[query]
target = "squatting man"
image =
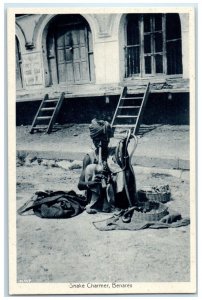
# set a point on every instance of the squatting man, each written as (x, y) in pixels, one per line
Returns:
(107, 175)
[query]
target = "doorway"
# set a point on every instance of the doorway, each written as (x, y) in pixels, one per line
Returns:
(70, 50)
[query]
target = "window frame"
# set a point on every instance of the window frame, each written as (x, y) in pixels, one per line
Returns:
(152, 54)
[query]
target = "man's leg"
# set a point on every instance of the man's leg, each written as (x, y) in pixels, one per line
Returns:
(91, 208)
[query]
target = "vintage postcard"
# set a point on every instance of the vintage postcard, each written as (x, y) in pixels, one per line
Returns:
(101, 125)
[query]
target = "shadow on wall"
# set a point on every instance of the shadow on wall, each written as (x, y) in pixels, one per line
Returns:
(167, 109)
(160, 109)
(83, 110)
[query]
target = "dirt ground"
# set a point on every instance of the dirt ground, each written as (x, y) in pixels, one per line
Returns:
(170, 141)
(73, 250)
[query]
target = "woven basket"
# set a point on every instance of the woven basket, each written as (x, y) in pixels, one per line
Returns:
(149, 193)
(155, 214)
(159, 197)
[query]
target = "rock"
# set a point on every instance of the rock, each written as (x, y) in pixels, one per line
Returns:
(76, 164)
(21, 156)
(52, 163)
(48, 163)
(29, 159)
(65, 164)
(35, 163)
(39, 160)
(44, 162)
(19, 162)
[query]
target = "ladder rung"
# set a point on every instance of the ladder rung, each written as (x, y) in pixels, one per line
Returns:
(129, 106)
(44, 118)
(40, 127)
(124, 125)
(131, 98)
(48, 108)
(51, 100)
(125, 116)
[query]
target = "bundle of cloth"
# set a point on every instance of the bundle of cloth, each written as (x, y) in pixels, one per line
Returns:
(58, 204)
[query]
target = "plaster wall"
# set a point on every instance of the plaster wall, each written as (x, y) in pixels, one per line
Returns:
(108, 41)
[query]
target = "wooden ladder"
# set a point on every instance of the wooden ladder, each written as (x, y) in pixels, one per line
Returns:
(129, 110)
(47, 113)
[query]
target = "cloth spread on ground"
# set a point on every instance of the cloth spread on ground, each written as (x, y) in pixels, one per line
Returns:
(173, 219)
(58, 204)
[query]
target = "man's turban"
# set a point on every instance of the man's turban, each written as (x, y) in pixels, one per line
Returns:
(99, 128)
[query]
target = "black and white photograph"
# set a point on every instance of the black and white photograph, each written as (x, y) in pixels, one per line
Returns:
(101, 148)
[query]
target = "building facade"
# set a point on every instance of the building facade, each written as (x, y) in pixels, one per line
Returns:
(91, 57)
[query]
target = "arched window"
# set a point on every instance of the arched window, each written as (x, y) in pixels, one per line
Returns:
(70, 50)
(19, 83)
(153, 45)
